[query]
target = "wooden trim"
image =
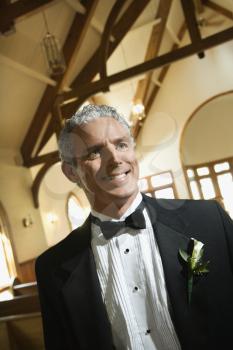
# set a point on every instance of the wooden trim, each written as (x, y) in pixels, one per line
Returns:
(24, 304)
(10, 12)
(212, 175)
(226, 13)
(211, 163)
(152, 188)
(27, 271)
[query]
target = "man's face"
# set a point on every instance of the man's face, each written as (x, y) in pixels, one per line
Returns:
(107, 168)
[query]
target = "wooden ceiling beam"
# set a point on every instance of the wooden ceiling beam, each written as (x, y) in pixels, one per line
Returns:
(89, 71)
(163, 60)
(104, 45)
(191, 22)
(156, 88)
(45, 158)
(223, 11)
(153, 48)
(164, 71)
(72, 44)
(10, 12)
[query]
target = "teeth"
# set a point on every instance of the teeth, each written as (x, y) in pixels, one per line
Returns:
(118, 177)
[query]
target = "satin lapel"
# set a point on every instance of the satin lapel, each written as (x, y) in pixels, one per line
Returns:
(169, 229)
(172, 233)
(82, 295)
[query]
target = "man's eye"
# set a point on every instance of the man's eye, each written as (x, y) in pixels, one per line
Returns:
(93, 155)
(122, 146)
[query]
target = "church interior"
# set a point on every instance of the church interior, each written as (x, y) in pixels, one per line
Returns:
(166, 65)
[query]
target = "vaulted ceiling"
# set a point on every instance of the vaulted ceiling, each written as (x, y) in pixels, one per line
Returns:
(116, 52)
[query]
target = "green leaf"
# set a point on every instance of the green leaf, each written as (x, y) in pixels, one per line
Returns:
(202, 268)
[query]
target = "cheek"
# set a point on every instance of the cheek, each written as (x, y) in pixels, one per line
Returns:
(88, 171)
(134, 163)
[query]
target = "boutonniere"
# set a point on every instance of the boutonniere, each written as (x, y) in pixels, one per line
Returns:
(194, 263)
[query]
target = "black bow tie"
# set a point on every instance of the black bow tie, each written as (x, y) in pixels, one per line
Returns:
(110, 228)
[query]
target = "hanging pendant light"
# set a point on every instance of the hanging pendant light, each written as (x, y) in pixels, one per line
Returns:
(53, 53)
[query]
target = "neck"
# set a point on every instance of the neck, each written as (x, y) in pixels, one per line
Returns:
(116, 208)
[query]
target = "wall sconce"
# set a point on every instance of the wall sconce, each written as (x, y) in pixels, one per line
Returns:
(52, 218)
(27, 221)
(137, 113)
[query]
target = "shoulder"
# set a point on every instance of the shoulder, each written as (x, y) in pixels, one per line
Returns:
(184, 209)
(75, 242)
(180, 205)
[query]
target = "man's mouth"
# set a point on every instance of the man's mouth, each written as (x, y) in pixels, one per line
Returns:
(119, 176)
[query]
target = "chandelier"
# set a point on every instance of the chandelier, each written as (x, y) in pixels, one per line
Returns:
(53, 53)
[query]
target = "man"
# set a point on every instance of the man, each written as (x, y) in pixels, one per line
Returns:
(124, 280)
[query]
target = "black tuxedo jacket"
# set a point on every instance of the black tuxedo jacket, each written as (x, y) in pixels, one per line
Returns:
(74, 315)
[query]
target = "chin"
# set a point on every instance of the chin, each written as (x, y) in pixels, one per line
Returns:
(123, 193)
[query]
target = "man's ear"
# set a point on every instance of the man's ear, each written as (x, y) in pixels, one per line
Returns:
(70, 173)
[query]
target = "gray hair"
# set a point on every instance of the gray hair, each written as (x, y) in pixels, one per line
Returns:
(84, 116)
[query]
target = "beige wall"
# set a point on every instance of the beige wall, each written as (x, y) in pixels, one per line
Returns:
(16, 197)
(208, 135)
(188, 84)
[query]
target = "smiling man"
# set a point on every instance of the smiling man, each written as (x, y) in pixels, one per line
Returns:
(119, 281)
(105, 165)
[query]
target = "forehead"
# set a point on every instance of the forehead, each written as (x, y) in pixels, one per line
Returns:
(97, 132)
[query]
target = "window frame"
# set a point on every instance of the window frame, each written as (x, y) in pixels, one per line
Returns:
(213, 175)
(151, 189)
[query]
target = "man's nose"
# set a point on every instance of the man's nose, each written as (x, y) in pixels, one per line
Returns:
(112, 155)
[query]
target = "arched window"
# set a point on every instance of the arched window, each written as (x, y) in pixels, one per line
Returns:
(7, 263)
(75, 212)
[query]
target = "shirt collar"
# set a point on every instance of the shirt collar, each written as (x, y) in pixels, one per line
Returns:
(130, 210)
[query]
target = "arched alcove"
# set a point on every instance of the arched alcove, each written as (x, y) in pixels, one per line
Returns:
(206, 150)
(76, 214)
(54, 190)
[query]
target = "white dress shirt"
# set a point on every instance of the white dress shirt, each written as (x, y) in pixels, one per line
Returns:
(133, 288)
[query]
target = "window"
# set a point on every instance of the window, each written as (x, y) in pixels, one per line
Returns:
(75, 212)
(7, 263)
(159, 185)
(213, 180)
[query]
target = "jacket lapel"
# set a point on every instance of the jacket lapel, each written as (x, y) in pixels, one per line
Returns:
(172, 233)
(169, 229)
(82, 295)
